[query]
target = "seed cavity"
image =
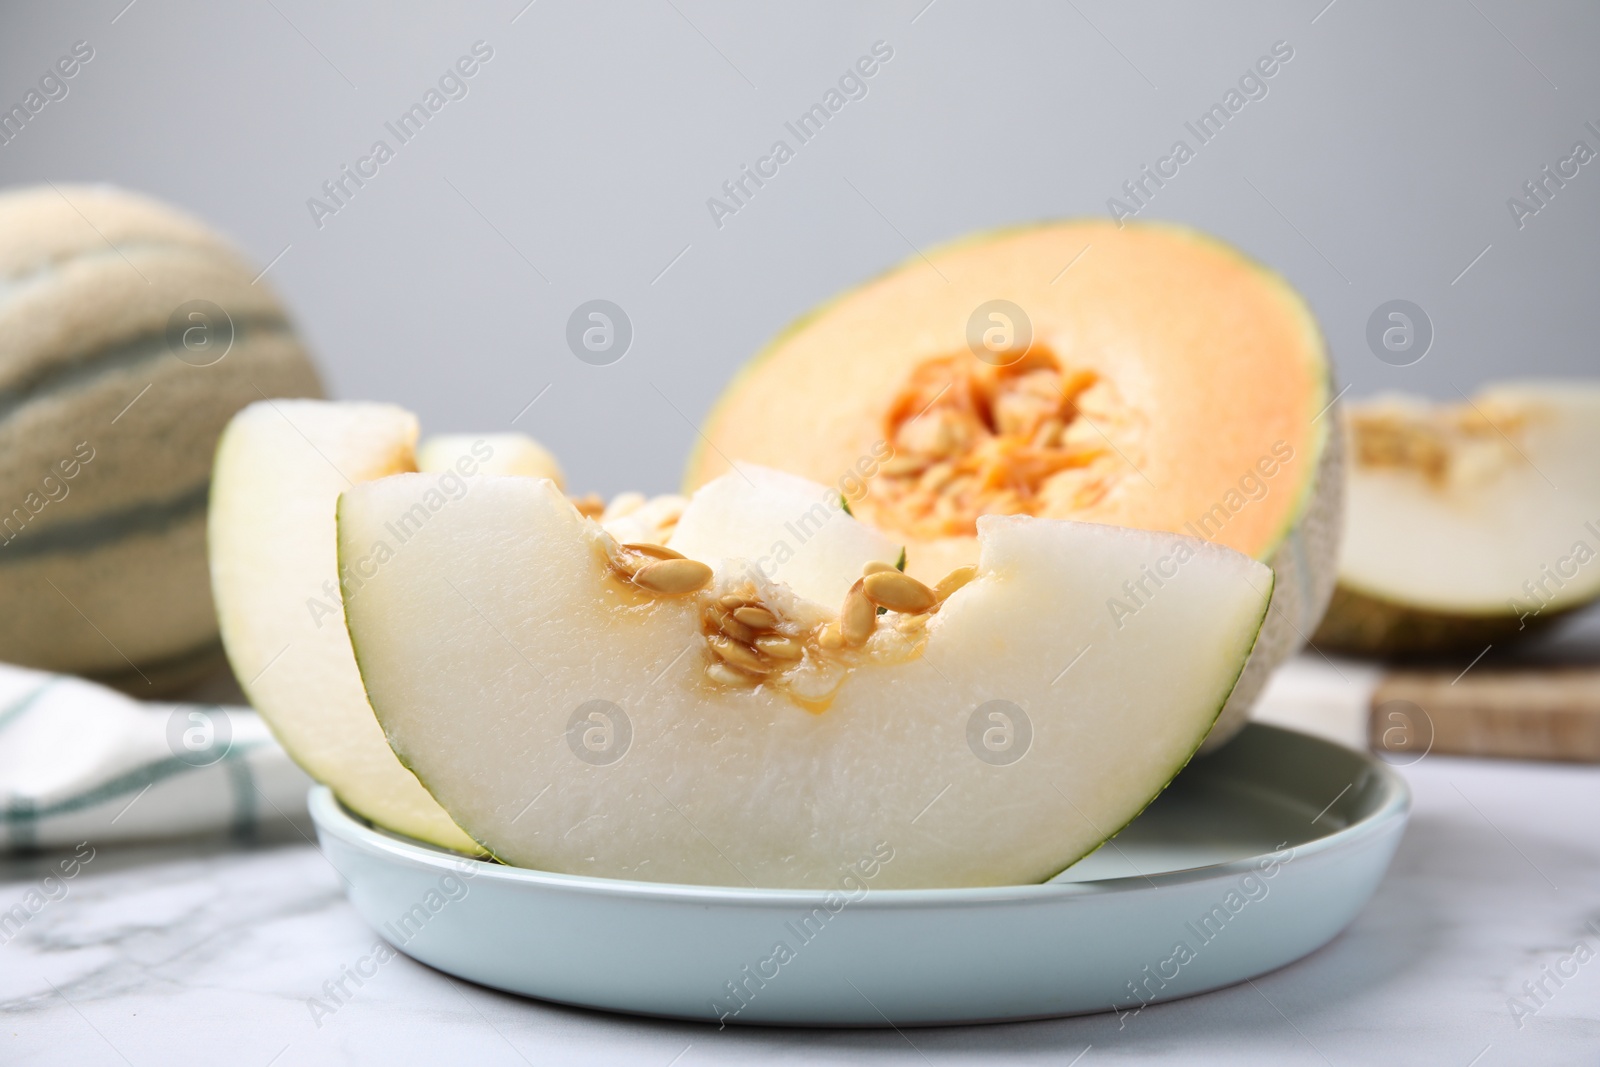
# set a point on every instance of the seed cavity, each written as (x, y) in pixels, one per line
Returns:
(750, 642)
(778, 646)
(723, 674)
(1450, 446)
(898, 592)
(730, 625)
(740, 655)
(970, 438)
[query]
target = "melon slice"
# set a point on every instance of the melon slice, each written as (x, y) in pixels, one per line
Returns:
(489, 453)
(1468, 523)
(279, 470)
(574, 710)
(795, 530)
(1145, 376)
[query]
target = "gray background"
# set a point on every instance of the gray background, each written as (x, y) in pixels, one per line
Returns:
(579, 164)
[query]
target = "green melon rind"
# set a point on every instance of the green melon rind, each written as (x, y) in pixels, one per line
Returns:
(1365, 624)
(1205, 742)
(1303, 553)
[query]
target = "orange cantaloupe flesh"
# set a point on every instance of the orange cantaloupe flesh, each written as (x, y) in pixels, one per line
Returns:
(1193, 383)
(1212, 369)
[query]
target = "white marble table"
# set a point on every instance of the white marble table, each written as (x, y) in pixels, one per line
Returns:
(209, 953)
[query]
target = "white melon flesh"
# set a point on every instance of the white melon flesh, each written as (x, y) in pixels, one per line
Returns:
(490, 453)
(279, 470)
(1469, 514)
(485, 640)
(794, 529)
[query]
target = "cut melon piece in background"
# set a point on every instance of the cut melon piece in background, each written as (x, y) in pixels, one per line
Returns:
(1468, 523)
(490, 453)
(795, 530)
(279, 470)
(572, 721)
(1144, 375)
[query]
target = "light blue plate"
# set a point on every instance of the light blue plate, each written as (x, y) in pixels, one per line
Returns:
(1255, 856)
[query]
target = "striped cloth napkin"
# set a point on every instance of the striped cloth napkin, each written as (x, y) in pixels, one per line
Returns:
(80, 762)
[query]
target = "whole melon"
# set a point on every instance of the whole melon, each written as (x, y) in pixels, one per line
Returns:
(129, 334)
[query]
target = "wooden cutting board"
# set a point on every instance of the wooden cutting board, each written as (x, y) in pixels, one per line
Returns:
(1527, 713)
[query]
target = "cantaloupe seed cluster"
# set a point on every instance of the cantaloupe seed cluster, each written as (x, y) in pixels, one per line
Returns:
(1448, 444)
(750, 641)
(972, 438)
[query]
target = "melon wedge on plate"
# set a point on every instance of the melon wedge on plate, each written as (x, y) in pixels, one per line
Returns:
(582, 707)
(279, 469)
(1468, 523)
(1142, 375)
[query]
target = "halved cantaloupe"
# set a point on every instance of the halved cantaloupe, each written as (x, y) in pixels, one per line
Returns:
(585, 707)
(280, 467)
(1146, 376)
(1468, 523)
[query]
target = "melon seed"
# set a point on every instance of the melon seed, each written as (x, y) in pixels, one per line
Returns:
(780, 647)
(953, 581)
(739, 655)
(858, 616)
(726, 675)
(654, 551)
(671, 577)
(903, 466)
(758, 618)
(829, 637)
(898, 592)
(874, 566)
(910, 624)
(735, 629)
